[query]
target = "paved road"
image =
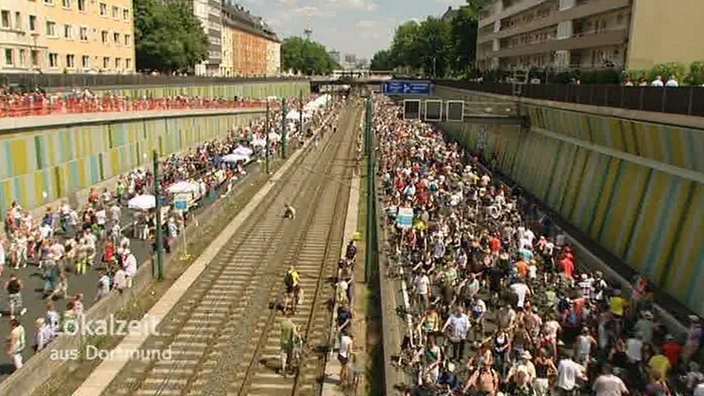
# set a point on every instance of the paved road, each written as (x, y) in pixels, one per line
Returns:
(86, 284)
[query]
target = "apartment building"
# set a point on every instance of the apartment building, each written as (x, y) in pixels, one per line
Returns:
(67, 36)
(589, 34)
(255, 50)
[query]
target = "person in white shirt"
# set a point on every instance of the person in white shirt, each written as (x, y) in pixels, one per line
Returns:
(608, 384)
(422, 285)
(568, 372)
(458, 327)
(657, 82)
(130, 265)
(521, 290)
(672, 82)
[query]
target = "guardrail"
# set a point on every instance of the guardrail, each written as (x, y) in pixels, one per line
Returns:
(29, 106)
(680, 100)
(106, 80)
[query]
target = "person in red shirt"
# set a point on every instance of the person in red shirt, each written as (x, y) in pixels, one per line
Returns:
(671, 349)
(567, 265)
(495, 245)
(522, 268)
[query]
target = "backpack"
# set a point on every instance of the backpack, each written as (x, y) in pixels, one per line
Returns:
(288, 280)
(572, 318)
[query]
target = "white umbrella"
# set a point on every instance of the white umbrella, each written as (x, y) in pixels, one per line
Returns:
(235, 157)
(182, 187)
(243, 151)
(274, 137)
(142, 202)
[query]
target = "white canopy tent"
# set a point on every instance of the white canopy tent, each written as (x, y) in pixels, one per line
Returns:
(142, 202)
(231, 158)
(241, 150)
(182, 187)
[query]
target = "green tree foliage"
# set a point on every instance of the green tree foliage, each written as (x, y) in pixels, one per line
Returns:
(168, 37)
(666, 70)
(382, 60)
(434, 47)
(306, 57)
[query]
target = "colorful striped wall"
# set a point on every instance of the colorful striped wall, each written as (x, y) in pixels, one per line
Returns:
(634, 187)
(41, 166)
(250, 90)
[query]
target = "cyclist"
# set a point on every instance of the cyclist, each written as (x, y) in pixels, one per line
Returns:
(289, 212)
(289, 332)
(292, 281)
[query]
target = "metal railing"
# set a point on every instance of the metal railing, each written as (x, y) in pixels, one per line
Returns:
(680, 100)
(45, 81)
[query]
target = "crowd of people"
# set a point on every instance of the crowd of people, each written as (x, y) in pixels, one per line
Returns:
(498, 304)
(16, 103)
(67, 242)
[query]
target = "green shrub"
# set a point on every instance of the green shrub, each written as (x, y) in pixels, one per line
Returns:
(696, 74)
(666, 70)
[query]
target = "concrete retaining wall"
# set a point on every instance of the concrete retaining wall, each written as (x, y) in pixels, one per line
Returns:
(634, 185)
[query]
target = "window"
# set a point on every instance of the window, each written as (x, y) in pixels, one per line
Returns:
(67, 32)
(35, 57)
(21, 58)
(49, 2)
(128, 40)
(69, 61)
(126, 14)
(6, 19)
(84, 34)
(128, 63)
(106, 62)
(32, 23)
(104, 36)
(53, 59)
(116, 38)
(50, 29)
(9, 57)
(81, 5)
(118, 62)
(115, 12)
(85, 62)
(18, 21)
(66, 3)
(103, 9)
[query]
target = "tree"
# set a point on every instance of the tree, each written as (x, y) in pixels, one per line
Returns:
(308, 57)
(382, 60)
(168, 37)
(463, 34)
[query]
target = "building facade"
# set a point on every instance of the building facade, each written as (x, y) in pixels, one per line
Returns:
(254, 49)
(588, 34)
(67, 36)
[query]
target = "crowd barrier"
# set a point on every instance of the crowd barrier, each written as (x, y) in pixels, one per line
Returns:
(32, 106)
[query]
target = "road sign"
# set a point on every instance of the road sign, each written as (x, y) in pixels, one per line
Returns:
(455, 110)
(407, 88)
(411, 109)
(404, 218)
(433, 110)
(181, 202)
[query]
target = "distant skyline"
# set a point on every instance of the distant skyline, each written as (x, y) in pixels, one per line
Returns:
(359, 27)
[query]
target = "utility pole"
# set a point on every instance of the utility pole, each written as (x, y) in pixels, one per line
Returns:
(266, 130)
(283, 127)
(370, 191)
(159, 249)
(300, 112)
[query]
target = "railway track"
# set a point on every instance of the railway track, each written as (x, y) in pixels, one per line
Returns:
(222, 337)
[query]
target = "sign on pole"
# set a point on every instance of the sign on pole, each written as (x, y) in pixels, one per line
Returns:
(404, 218)
(433, 110)
(406, 87)
(411, 109)
(455, 110)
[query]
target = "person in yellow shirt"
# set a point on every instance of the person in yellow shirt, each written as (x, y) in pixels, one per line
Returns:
(659, 363)
(618, 304)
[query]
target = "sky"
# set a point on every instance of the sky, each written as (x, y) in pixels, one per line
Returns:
(360, 27)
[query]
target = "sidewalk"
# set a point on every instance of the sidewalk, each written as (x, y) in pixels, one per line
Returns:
(332, 368)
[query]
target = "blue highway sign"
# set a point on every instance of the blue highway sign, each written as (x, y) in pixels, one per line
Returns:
(407, 88)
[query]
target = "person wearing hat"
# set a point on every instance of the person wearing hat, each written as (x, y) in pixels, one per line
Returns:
(523, 372)
(645, 327)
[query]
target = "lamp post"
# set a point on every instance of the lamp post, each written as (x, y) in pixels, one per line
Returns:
(159, 245)
(370, 190)
(300, 113)
(283, 127)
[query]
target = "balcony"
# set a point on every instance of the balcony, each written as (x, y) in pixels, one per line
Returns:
(580, 11)
(594, 40)
(511, 10)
